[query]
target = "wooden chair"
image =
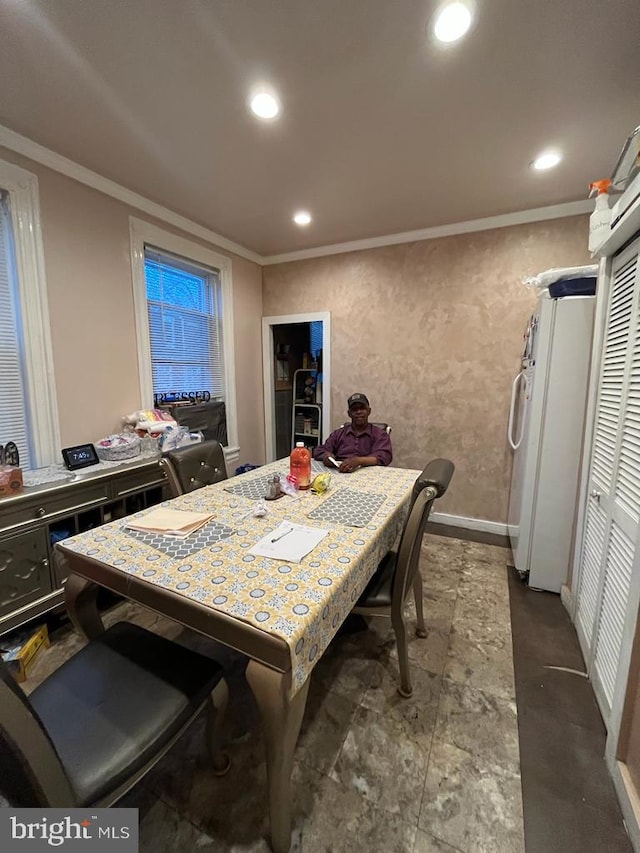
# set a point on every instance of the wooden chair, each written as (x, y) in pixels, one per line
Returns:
(95, 726)
(399, 573)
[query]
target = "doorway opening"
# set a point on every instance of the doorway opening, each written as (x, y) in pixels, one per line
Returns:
(296, 370)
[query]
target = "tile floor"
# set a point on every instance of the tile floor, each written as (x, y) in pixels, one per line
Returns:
(436, 773)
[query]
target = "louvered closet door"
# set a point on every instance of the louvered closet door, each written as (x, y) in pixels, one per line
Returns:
(613, 507)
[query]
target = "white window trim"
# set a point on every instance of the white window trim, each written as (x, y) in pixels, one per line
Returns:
(22, 187)
(142, 233)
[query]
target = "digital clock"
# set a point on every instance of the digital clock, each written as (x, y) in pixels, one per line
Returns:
(79, 456)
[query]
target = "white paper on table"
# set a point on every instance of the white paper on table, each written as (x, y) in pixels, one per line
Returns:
(297, 542)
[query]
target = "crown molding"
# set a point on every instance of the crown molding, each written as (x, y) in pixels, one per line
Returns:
(39, 154)
(34, 151)
(538, 214)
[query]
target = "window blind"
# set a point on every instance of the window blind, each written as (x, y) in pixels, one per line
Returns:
(14, 416)
(185, 325)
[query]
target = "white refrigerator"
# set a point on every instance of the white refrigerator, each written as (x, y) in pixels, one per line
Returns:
(545, 432)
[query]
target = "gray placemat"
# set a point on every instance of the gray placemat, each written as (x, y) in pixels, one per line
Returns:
(258, 487)
(207, 536)
(348, 506)
(253, 489)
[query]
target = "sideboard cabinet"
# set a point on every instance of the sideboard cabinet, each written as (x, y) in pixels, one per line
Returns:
(31, 573)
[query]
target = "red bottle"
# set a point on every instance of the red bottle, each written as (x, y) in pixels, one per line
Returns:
(300, 465)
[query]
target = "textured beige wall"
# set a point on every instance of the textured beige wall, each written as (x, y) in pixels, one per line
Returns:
(87, 262)
(247, 316)
(431, 331)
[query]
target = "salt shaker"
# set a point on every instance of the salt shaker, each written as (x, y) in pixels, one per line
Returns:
(273, 490)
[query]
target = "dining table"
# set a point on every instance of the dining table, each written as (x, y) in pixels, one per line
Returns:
(280, 613)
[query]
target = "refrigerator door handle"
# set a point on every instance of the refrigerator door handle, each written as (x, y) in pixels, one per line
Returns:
(514, 393)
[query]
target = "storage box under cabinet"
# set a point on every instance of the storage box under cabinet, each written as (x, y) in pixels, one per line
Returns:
(22, 651)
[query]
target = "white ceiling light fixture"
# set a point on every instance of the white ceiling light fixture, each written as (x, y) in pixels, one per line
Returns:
(264, 105)
(546, 160)
(452, 21)
(302, 217)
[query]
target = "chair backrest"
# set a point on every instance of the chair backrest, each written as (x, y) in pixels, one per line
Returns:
(208, 418)
(192, 467)
(430, 477)
(430, 485)
(380, 424)
(32, 773)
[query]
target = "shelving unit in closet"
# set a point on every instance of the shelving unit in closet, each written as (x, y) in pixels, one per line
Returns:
(306, 422)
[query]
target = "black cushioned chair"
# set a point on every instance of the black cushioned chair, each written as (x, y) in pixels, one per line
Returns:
(398, 572)
(380, 424)
(190, 468)
(209, 418)
(104, 718)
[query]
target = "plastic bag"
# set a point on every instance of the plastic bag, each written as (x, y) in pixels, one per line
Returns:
(289, 485)
(180, 437)
(544, 279)
(321, 483)
(153, 421)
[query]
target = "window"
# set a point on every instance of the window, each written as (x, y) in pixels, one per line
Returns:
(315, 339)
(184, 304)
(184, 322)
(14, 417)
(28, 412)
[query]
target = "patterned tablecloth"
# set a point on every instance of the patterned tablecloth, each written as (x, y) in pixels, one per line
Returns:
(303, 603)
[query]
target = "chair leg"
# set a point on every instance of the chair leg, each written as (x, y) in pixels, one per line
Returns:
(421, 631)
(400, 629)
(216, 707)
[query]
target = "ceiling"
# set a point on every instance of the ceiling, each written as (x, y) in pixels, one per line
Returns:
(381, 131)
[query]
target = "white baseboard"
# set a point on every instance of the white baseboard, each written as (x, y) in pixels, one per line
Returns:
(481, 524)
(568, 599)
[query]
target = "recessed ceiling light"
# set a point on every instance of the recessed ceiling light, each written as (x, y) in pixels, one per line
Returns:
(547, 160)
(302, 217)
(265, 105)
(452, 22)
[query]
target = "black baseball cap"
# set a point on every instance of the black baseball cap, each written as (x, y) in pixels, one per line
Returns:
(357, 398)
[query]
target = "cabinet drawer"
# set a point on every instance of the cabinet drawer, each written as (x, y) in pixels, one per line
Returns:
(24, 570)
(44, 509)
(138, 481)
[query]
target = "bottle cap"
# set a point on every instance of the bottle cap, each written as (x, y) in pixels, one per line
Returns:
(299, 443)
(599, 187)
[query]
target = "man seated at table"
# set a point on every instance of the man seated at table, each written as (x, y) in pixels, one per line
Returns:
(358, 444)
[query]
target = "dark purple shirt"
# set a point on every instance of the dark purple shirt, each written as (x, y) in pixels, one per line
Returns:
(344, 443)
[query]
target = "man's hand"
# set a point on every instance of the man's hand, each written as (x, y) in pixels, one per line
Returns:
(326, 460)
(350, 465)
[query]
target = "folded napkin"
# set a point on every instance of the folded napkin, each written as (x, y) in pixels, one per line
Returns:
(170, 522)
